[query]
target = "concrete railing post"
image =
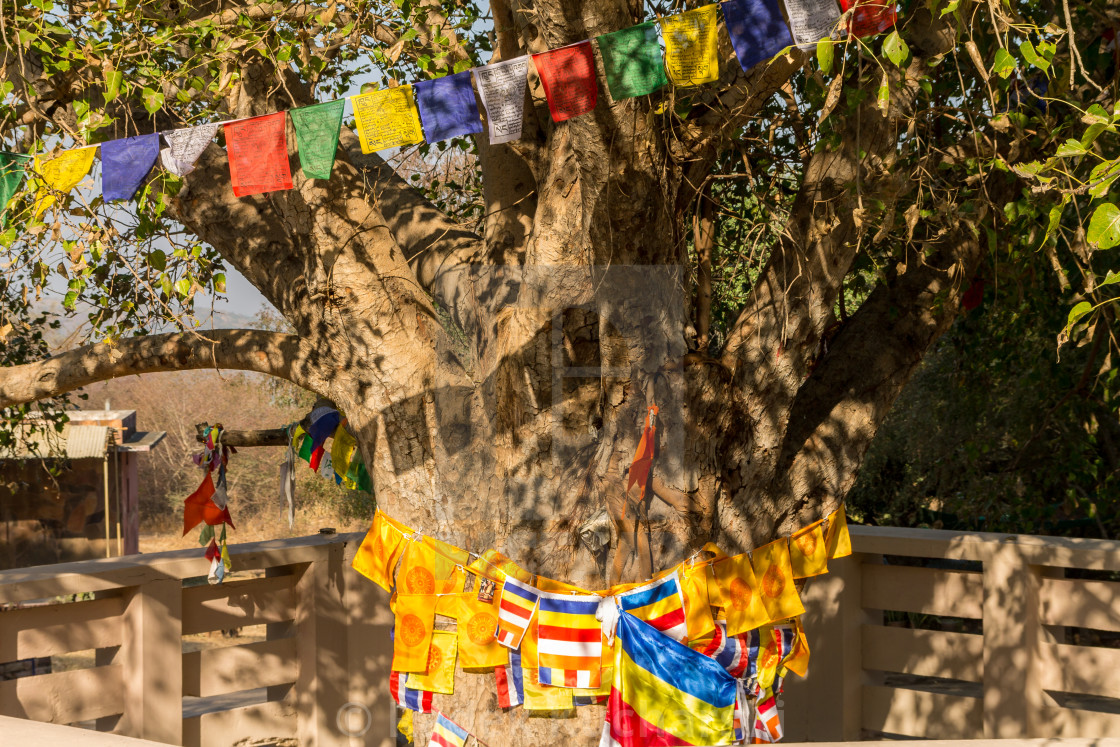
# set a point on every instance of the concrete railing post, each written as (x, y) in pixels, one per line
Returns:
(1013, 694)
(151, 654)
(321, 689)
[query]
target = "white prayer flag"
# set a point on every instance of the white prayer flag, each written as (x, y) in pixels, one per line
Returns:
(502, 88)
(812, 20)
(185, 146)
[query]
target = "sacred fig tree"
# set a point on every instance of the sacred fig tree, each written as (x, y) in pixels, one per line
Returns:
(766, 258)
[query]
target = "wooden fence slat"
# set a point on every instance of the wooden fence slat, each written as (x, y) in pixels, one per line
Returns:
(917, 713)
(1085, 670)
(236, 604)
(928, 591)
(60, 628)
(217, 671)
(1080, 603)
(1073, 722)
(273, 720)
(65, 697)
(927, 653)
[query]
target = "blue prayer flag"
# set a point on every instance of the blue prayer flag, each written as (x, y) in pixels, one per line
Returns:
(125, 163)
(447, 107)
(757, 30)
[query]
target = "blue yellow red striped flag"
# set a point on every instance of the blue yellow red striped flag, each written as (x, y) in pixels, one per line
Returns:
(569, 641)
(660, 604)
(447, 733)
(664, 693)
(519, 602)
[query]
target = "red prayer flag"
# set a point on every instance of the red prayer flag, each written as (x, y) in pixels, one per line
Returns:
(194, 510)
(258, 155)
(870, 16)
(643, 456)
(568, 77)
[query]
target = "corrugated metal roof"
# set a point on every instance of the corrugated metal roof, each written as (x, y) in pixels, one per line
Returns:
(74, 442)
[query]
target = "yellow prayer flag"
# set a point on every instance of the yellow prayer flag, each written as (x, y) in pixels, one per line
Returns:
(547, 584)
(743, 605)
(807, 552)
(439, 675)
(404, 725)
(343, 447)
(529, 645)
(387, 119)
(492, 565)
(691, 55)
(377, 556)
(61, 173)
(412, 631)
(797, 660)
(775, 580)
(839, 543)
(769, 656)
(421, 573)
(539, 697)
(697, 605)
(475, 623)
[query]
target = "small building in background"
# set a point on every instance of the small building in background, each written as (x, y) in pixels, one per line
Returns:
(74, 494)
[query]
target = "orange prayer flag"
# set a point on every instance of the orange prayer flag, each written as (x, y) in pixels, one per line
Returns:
(797, 660)
(412, 631)
(807, 552)
(839, 543)
(476, 623)
(697, 605)
(377, 556)
(529, 646)
(194, 508)
(420, 572)
(643, 456)
(775, 580)
(439, 674)
(492, 564)
(743, 605)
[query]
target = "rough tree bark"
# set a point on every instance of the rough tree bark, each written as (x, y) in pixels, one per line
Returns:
(577, 304)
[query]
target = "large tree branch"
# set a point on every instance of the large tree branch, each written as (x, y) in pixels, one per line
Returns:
(270, 353)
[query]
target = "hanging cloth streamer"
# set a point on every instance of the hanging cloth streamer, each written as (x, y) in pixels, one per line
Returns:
(643, 456)
(502, 89)
(61, 174)
(691, 54)
(185, 146)
(447, 107)
(568, 77)
(632, 61)
(812, 20)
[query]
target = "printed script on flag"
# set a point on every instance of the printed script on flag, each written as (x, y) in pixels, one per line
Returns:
(501, 87)
(690, 46)
(568, 77)
(258, 155)
(387, 119)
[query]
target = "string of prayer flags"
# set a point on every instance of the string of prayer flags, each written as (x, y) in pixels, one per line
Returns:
(757, 30)
(869, 17)
(836, 538)
(258, 155)
(61, 174)
(439, 673)
(569, 640)
(387, 119)
(739, 589)
(125, 163)
(13, 170)
(691, 54)
(447, 733)
(775, 581)
(501, 86)
(665, 693)
(407, 698)
(447, 107)
(510, 683)
(185, 146)
(519, 602)
(414, 617)
(317, 127)
(377, 556)
(811, 20)
(660, 604)
(632, 61)
(808, 553)
(568, 77)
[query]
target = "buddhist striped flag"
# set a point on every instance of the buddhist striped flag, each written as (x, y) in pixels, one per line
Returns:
(767, 721)
(519, 602)
(661, 604)
(569, 641)
(447, 733)
(511, 687)
(406, 697)
(738, 654)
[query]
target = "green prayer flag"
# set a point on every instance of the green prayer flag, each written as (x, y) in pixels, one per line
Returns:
(317, 128)
(12, 172)
(632, 61)
(305, 449)
(363, 480)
